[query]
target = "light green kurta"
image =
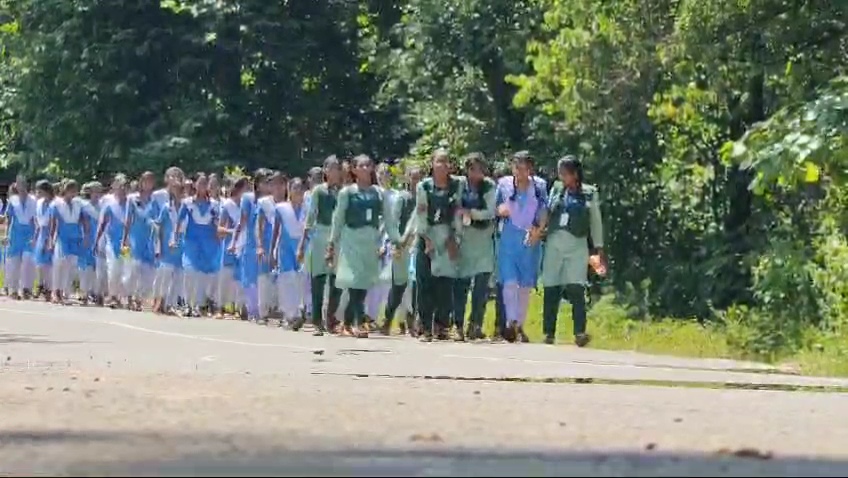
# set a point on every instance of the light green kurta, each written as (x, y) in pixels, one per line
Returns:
(315, 255)
(477, 251)
(566, 258)
(358, 262)
(441, 264)
(398, 273)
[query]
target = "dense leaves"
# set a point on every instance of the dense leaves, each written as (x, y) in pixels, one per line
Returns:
(715, 129)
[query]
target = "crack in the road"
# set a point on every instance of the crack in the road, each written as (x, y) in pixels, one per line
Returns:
(776, 387)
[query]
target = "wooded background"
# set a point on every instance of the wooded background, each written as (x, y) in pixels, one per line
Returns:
(715, 129)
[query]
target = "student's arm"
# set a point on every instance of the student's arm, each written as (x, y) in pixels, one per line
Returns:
(54, 227)
(596, 223)
(311, 219)
(129, 219)
(260, 230)
(159, 233)
(105, 216)
(339, 216)
(275, 236)
(4, 219)
(244, 206)
(542, 212)
(181, 216)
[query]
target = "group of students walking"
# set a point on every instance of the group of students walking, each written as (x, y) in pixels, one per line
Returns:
(333, 249)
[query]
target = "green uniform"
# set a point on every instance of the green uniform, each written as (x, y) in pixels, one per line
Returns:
(477, 250)
(436, 220)
(403, 207)
(319, 220)
(356, 233)
(566, 250)
(573, 218)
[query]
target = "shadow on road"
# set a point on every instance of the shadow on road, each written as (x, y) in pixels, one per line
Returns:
(253, 456)
(33, 339)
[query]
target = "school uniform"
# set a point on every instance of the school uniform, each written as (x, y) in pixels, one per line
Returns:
(518, 262)
(169, 269)
(20, 220)
(200, 248)
(142, 261)
(113, 214)
(356, 232)
(42, 254)
(292, 279)
(229, 285)
(68, 218)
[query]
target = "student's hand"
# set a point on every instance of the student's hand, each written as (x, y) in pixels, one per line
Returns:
(157, 254)
(330, 255)
(48, 245)
(534, 235)
(452, 247)
(503, 210)
(260, 252)
(274, 254)
(428, 246)
(172, 244)
(232, 249)
(397, 251)
(381, 251)
(299, 255)
(223, 232)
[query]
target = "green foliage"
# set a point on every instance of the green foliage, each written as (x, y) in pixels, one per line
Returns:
(715, 129)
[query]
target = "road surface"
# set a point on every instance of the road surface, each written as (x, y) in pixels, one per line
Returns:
(89, 391)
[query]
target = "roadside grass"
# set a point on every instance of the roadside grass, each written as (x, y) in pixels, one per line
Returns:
(611, 329)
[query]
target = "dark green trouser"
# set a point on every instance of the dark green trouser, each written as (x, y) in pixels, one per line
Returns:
(479, 297)
(435, 295)
(500, 310)
(318, 284)
(395, 298)
(355, 311)
(576, 294)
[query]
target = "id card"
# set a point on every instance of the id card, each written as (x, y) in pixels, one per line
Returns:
(563, 219)
(368, 215)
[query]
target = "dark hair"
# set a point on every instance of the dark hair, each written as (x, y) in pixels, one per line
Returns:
(350, 176)
(44, 186)
(522, 157)
(69, 184)
(474, 159)
(364, 157)
(573, 165)
(238, 186)
(261, 175)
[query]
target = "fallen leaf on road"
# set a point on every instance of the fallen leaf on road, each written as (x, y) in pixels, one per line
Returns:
(97, 379)
(29, 388)
(752, 453)
(421, 437)
(650, 446)
(318, 352)
(476, 392)
(678, 420)
(66, 389)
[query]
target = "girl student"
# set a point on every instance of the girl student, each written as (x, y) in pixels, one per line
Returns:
(229, 283)
(522, 206)
(379, 292)
(90, 288)
(138, 238)
(313, 246)
(400, 294)
(439, 230)
(111, 227)
(266, 209)
(169, 271)
(69, 237)
(348, 177)
(20, 219)
(200, 244)
(288, 232)
(477, 252)
(356, 229)
(575, 218)
(43, 256)
(247, 251)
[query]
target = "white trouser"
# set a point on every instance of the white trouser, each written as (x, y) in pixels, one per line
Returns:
(168, 278)
(88, 280)
(101, 272)
(267, 294)
(45, 275)
(64, 268)
(139, 279)
(115, 266)
(20, 272)
(197, 286)
(291, 290)
(229, 289)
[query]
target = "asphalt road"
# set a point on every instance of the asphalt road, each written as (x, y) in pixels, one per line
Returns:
(90, 391)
